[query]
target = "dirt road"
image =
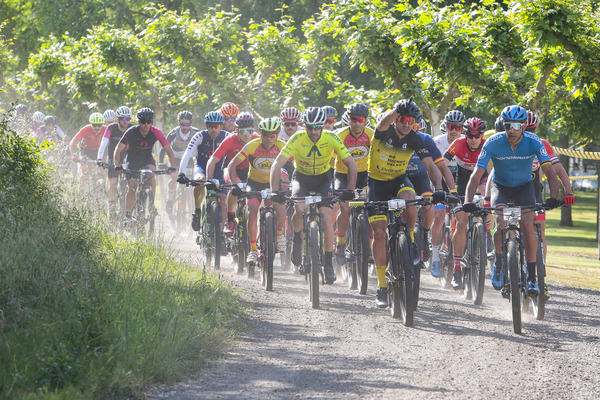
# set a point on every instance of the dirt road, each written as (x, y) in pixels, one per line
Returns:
(349, 349)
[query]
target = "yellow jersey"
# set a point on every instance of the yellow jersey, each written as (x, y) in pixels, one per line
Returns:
(260, 158)
(357, 147)
(312, 158)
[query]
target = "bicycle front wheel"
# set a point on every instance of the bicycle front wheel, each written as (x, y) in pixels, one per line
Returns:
(314, 247)
(269, 250)
(515, 280)
(364, 249)
(479, 257)
(215, 213)
(539, 301)
(402, 290)
(446, 259)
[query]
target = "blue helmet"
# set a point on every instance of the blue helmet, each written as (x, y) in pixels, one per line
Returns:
(214, 117)
(514, 113)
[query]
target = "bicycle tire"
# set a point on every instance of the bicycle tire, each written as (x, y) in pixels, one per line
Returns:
(351, 267)
(539, 301)
(269, 250)
(515, 280)
(479, 248)
(286, 257)
(314, 246)
(215, 210)
(151, 211)
(364, 251)
(402, 298)
(420, 242)
(446, 260)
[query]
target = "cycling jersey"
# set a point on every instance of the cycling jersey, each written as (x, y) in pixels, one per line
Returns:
(203, 146)
(358, 148)
(284, 136)
(415, 165)
(179, 141)
(512, 167)
(389, 155)
(442, 144)
(41, 134)
(88, 139)
(260, 158)
(551, 155)
(230, 147)
(314, 158)
(111, 138)
(139, 147)
(466, 159)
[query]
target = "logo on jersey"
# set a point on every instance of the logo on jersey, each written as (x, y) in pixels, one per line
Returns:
(358, 152)
(263, 164)
(482, 154)
(544, 152)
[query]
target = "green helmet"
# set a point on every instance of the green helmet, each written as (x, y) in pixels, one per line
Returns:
(270, 124)
(96, 119)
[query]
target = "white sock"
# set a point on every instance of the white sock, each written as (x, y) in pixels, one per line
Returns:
(435, 253)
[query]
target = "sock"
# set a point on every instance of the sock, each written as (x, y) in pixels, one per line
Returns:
(412, 235)
(457, 263)
(381, 282)
(279, 232)
(425, 233)
(435, 252)
(230, 217)
(531, 271)
(328, 258)
(253, 245)
(298, 236)
(341, 240)
(498, 260)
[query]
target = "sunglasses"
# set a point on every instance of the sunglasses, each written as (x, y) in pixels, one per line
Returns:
(471, 136)
(359, 119)
(290, 123)
(126, 119)
(454, 127)
(246, 131)
(210, 126)
(330, 121)
(513, 125)
(230, 119)
(315, 127)
(145, 122)
(403, 119)
(97, 126)
(265, 133)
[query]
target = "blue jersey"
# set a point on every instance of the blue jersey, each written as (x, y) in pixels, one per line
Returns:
(203, 146)
(415, 165)
(512, 168)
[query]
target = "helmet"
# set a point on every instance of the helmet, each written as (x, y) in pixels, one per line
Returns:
(20, 109)
(95, 118)
(408, 108)
(314, 116)
(145, 114)
(422, 125)
(454, 117)
(474, 125)
(514, 113)
(290, 114)
(368, 124)
(346, 118)
(123, 111)
(109, 115)
(532, 120)
(443, 127)
(499, 124)
(50, 120)
(270, 124)
(229, 110)
(184, 115)
(38, 117)
(214, 117)
(358, 109)
(330, 112)
(379, 117)
(244, 120)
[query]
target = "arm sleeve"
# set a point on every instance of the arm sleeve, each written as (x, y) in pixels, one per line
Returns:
(451, 152)
(160, 136)
(190, 151)
(415, 142)
(223, 148)
(243, 154)
(60, 132)
(541, 153)
(103, 145)
(551, 154)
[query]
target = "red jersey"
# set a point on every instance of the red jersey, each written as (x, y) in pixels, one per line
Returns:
(466, 161)
(230, 147)
(551, 155)
(88, 139)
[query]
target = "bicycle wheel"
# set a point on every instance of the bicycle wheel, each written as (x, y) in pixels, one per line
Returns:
(402, 296)
(151, 212)
(351, 267)
(479, 258)
(286, 257)
(446, 260)
(363, 253)
(315, 262)
(515, 280)
(420, 241)
(538, 303)
(215, 212)
(269, 250)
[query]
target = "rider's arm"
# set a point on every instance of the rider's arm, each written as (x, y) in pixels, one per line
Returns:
(351, 164)
(433, 172)
(552, 179)
(232, 168)
(473, 184)
(276, 171)
(61, 134)
(75, 141)
(117, 156)
(104, 144)
(171, 155)
(388, 118)
(564, 177)
(190, 151)
(210, 166)
(446, 173)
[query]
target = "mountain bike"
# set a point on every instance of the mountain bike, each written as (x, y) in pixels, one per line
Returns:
(358, 248)
(286, 256)
(144, 211)
(446, 249)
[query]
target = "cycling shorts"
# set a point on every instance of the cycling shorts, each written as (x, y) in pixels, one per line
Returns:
(421, 184)
(253, 186)
(199, 173)
(341, 180)
(91, 154)
(523, 195)
(140, 162)
(111, 171)
(302, 184)
(386, 190)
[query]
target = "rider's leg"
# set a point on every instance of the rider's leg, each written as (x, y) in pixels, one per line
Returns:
(252, 204)
(132, 185)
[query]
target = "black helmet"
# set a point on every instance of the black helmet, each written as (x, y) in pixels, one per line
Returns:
(330, 111)
(499, 125)
(408, 108)
(358, 109)
(145, 114)
(49, 120)
(184, 115)
(244, 120)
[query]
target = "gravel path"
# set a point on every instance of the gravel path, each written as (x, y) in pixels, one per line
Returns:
(349, 349)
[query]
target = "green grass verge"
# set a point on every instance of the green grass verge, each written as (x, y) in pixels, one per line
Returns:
(86, 315)
(573, 251)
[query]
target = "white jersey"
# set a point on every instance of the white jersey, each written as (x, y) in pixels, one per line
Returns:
(442, 144)
(283, 136)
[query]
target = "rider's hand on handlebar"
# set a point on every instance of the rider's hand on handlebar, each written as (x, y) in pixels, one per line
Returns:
(278, 197)
(119, 168)
(551, 203)
(237, 191)
(439, 196)
(347, 194)
(182, 179)
(569, 199)
(469, 207)
(172, 169)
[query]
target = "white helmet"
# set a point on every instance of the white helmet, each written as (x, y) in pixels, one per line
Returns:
(123, 111)
(38, 117)
(109, 115)
(314, 116)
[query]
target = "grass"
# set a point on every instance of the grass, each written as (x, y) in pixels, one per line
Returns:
(88, 315)
(573, 251)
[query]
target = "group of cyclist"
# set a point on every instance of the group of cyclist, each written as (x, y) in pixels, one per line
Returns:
(303, 151)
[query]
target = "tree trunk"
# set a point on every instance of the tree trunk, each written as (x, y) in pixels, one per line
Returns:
(566, 219)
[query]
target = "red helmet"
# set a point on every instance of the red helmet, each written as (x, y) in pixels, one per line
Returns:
(474, 125)
(229, 110)
(290, 114)
(532, 120)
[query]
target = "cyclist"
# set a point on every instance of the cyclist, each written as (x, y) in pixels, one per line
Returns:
(451, 127)
(203, 145)
(227, 150)
(331, 113)
(109, 116)
(113, 133)
(290, 116)
(465, 150)
(260, 154)
(393, 144)
(357, 139)
(37, 120)
(138, 142)
(229, 111)
(50, 131)
(19, 122)
(312, 151)
(433, 216)
(179, 139)
(88, 138)
(512, 153)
